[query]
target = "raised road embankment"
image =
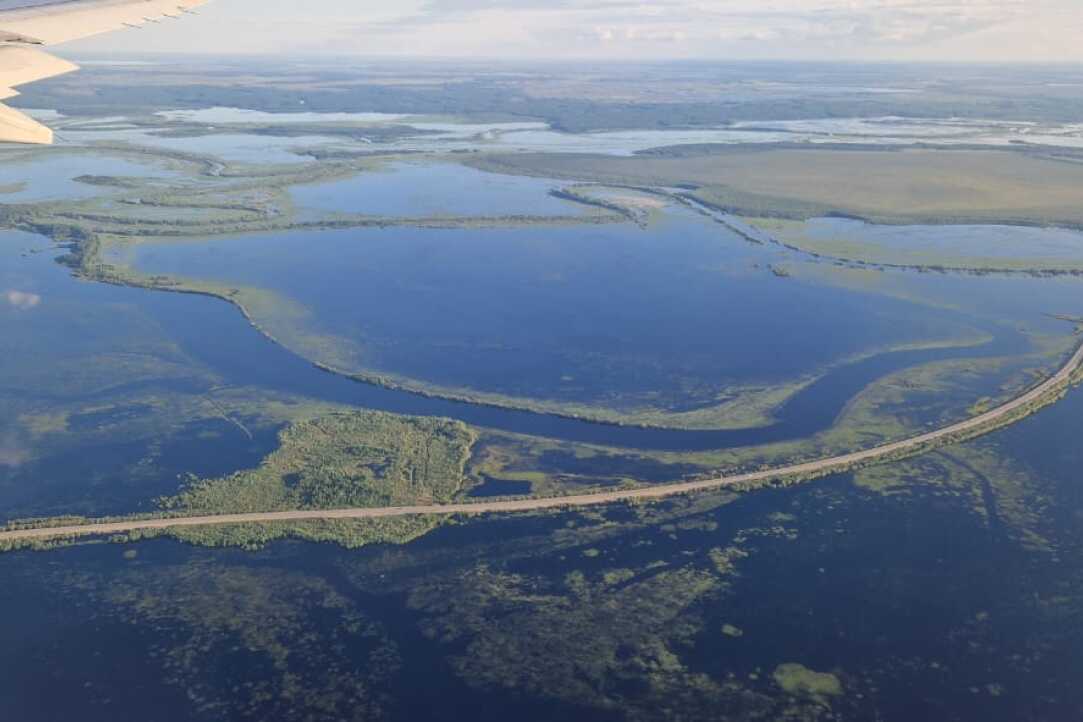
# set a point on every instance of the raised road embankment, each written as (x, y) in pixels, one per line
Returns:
(1006, 413)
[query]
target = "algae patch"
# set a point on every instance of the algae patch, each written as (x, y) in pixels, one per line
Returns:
(797, 679)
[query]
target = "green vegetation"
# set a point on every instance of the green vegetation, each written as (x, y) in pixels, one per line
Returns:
(1003, 494)
(638, 205)
(348, 533)
(327, 466)
(209, 197)
(798, 679)
(211, 624)
(290, 324)
(637, 96)
(227, 199)
(618, 627)
(884, 186)
(312, 471)
(365, 458)
(840, 245)
(644, 625)
(641, 611)
(899, 405)
(610, 631)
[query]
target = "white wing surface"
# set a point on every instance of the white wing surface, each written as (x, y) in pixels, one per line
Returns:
(23, 30)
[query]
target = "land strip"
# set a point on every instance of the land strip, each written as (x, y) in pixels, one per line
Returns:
(892, 186)
(1040, 395)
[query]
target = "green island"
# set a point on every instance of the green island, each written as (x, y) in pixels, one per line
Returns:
(364, 458)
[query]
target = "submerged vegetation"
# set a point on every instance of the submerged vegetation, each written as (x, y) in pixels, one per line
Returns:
(350, 476)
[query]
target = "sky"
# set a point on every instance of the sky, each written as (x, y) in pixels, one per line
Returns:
(928, 30)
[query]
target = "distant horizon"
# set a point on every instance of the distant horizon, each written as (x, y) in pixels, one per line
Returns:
(123, 56)
(936, 31)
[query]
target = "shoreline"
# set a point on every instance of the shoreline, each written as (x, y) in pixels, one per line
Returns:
(1044, 394)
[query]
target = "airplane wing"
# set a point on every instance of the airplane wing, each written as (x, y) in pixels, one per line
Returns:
(34, 23)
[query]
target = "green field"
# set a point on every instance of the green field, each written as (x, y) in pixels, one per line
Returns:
(934, 186)
(1016, 255)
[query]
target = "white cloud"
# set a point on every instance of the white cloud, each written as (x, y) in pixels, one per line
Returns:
(22, 300)
(926, 29)
(12, 454)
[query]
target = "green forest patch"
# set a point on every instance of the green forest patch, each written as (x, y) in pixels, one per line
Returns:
(358, 459)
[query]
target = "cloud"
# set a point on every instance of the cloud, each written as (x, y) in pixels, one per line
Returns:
(561, 29)
(695, 28)
(22, 300)
(12, 455)
(896, 20)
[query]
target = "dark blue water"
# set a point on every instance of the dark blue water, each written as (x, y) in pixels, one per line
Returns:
(501, 487)
(670, 317)
(52, 177)
(919, 607)
(216, 334)
(761, 327)
(407, 190)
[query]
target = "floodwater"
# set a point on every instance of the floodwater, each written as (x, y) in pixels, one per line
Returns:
(605, 314)
(246, 115)
(941, 614)
(228, 140)
(217, 348)
(435, 189)
(961, 245)
(92, 349)
(954, 601)
(232, 147)
(53, 177)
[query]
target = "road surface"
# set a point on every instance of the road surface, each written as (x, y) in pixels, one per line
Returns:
(990, 418)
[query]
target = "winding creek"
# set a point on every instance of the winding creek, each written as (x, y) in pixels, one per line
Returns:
(216, 334)
(681, 305)
(1040, 394)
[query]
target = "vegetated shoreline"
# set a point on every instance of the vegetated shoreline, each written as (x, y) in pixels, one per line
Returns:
(85, 258)
(86, 261)
(763, 203)
(89, 269)
(741, 221)
(746, 226)
(965, 270)
(1044, 394)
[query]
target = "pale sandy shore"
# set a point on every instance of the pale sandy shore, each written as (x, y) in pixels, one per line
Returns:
(976, 424)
